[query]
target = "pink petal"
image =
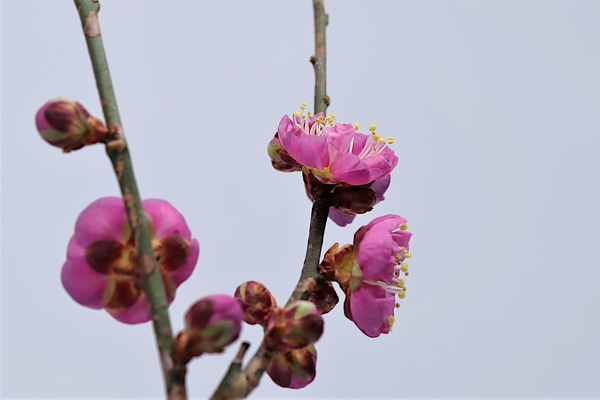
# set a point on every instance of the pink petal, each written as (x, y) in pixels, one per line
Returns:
(136, 314)
(376, 253)
(340, 218)
(350, 169)
(380, 186)
(388, 222)
(402, 238)
(104, 219)
(182, 273)
(309, 150)
(83, 284)
(371, 307)
(165, 218)
(339, 139)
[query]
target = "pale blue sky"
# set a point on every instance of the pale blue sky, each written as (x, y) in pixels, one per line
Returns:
(494, 109)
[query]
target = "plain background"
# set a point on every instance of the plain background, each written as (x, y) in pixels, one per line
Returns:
(494, 108)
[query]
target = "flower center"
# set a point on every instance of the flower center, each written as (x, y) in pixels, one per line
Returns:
(312, 126)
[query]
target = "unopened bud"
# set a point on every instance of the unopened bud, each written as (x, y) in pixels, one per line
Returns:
(325, 298)
(256, 301)
(212, 323)
(67, 124)
(294, 369)
(297, 325)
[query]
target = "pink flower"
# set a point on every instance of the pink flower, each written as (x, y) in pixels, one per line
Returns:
(369, 272)
(294, 369)
(336, 153)
(101, 270)
(67, 124)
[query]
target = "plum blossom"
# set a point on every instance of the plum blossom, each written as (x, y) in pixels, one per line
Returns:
(334, 152)
(369, 272)
(102, 271)
(350, 168)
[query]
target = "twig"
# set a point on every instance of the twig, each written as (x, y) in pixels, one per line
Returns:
(319, 60)
(234, 369)
(118, 152)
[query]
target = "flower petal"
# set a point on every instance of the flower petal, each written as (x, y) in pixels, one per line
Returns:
(339, 217)
(165, 218)
(309, 150)
(104, 219)
(182, 273)
(83, 284)
(351, 169)
(136, 314)
(371, 307)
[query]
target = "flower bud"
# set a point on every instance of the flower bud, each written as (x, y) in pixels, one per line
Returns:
(256, 301)
(297, 325)
(294, 369)
(325, 298)
(67, 124)
(212, 323)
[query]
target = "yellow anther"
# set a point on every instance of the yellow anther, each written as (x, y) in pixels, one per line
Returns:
(297, 113)
(402, 295)
(404, 267)
(356, 127)
(329, 119)
(408, 255)
(309, 114)
(391, 320)
(333, 116)
(381, 140)
(398, 257)
(303, 106)
(401, 283)
(375, 135)
(406, 273)
(372, 128)
(397, 305)
(403, 227)
(390, 140)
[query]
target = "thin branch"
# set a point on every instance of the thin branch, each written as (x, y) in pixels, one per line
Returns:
(319, 60)
(235, 368)
(118, 152)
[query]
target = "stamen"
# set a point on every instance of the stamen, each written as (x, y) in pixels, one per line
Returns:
(372, 128)
(404, 267)
(402, 295)
(297, 114)
(397, 305)
(403, 227)
(407, 255)
(390, 140)
(356, 127)
(303, 106)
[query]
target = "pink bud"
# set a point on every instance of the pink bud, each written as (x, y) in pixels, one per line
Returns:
(212, 323)
(67, 124)
(256, 301)
(297, 325)
(294, 369)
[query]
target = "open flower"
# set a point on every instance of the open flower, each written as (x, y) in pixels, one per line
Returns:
(102, 270)
(369, 272)
(350, 168)
(336, 152)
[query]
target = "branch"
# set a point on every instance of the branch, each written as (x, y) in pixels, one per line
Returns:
(235, 368)
(319, 60)
(118, 152)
